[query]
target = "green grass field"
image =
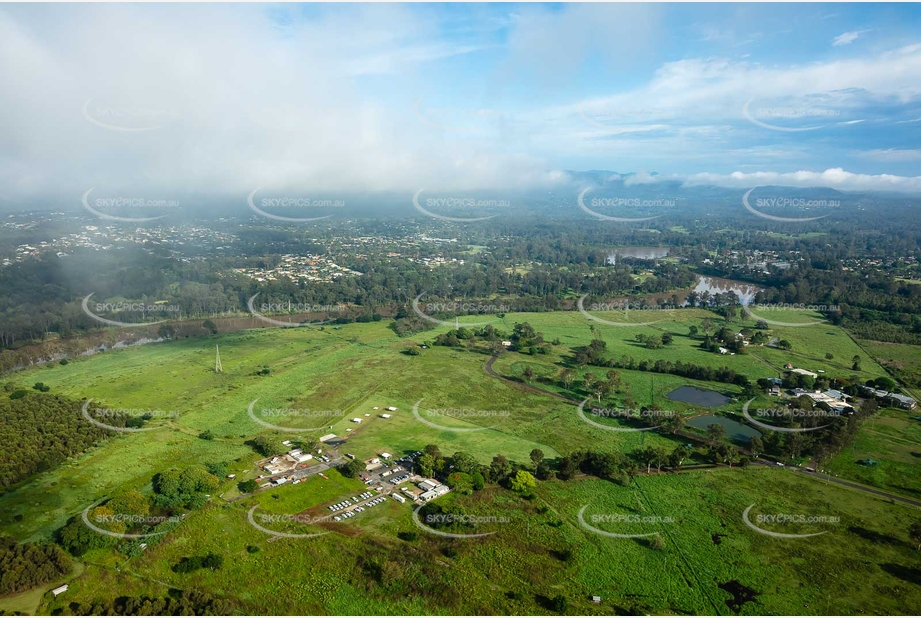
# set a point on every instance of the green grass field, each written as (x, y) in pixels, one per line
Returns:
(809, 343)
(363, 568)
(902, 360)
(542, 551)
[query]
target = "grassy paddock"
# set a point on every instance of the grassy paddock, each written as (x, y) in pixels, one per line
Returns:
(542, 551)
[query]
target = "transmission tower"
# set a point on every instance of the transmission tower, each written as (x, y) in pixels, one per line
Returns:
(217, 360)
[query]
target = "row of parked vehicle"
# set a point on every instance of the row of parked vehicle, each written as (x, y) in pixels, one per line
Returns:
(340, 506)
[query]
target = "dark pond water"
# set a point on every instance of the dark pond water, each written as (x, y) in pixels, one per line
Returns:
(698, 396)
(734, 430)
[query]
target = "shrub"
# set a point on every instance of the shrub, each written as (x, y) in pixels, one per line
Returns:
(560, 604)
(194, 563)
(247, 487)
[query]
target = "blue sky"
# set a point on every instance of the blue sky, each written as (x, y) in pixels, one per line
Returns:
(216, 99)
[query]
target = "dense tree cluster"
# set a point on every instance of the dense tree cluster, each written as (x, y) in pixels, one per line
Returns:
(464, 336)
(128, 511)
(184, 603)
(40, 431)
(26, 565)
(822, 444)
(188, 564)
(45, 295)
(619, 467)
(185, 488)
(594, 355)
(523, 338)
(264, 446)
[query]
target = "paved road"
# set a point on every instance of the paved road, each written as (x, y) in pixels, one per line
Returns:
(869, 490)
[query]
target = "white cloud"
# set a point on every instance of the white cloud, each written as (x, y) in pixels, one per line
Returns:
(326, 102)
(718, 88)
(835, 178)
(893, 155)
(247, 102)
(847, 38)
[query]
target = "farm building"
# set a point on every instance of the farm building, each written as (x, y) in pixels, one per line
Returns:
(836, 395)
(891, 399)
(428, 484)
(906, 403)
(434, 493)
(300, 456)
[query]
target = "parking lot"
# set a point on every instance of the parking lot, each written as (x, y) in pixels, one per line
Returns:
(386, 476)
(357, 504)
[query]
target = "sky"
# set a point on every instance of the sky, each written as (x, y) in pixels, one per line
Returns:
(161, 100)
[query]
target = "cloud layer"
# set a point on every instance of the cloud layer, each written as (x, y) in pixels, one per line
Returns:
(219, 100)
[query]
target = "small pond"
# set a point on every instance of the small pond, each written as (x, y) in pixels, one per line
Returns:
(734, 430)
(698, 396)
